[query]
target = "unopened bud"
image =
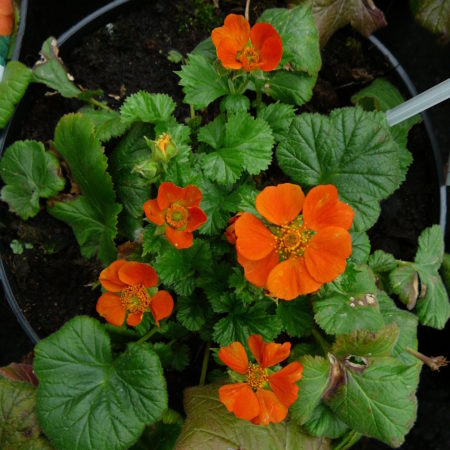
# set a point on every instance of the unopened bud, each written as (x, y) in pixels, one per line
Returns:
(163, 148)
(146, 169)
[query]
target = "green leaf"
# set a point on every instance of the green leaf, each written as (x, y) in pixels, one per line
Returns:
(346, 307)
(299, 35)
(13, 85)
(152, 242)
(296, 316)
(360, 247)
(246, 145)
(132, 189)
(380, 261)
(191, 312)
(434, 15)
(242, 321)
(50, 71)
(312, 385)
(29, 173)
(177, 268)
(19, 427)
(218, 202)
(381, 95)
(433, 308)
(108, 124)
(290, 87)
(279, 116)
(202, 82)
(351, 149)
(407, 325)
(206, 48)
(245, 291)
(366, 343)
(332, 15)
(146, 107)
(93, 215)
(386, 413)
(162, 436)
(235, 103)
(172, 357)
(324, 423)
(89, 399)
(208, 425)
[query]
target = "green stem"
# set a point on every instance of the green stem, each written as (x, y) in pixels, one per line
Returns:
(324, 344)
(192, 111)
(100, 105)
(348, 441)
(148, 335)
(205, 364)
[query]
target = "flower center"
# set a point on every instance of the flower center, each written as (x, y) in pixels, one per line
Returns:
(177, 216)
(135, 298)
(292, 239)
(256, 376)
(249, 58)
(163, 141)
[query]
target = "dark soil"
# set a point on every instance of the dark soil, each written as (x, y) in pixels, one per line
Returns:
(53, 282)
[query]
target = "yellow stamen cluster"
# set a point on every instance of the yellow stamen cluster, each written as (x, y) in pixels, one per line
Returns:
(248, 57)
(292, 239)
(177, 216)
(135, 298)
(163, 141)
(256, 376)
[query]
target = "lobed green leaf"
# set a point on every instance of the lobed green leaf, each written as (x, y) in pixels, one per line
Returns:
(146, 107)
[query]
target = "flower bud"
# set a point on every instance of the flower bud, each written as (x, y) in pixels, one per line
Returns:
(147, 169)
(163, 149)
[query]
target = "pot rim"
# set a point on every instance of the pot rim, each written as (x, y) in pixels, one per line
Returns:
(100, 15)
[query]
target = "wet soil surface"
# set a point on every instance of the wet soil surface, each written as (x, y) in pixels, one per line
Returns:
(53, 282)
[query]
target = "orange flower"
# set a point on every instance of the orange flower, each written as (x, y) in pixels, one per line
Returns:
(177, 209)
(295, 254)
(239, 47)
(129, 285)
(6, 17)
(250, 400)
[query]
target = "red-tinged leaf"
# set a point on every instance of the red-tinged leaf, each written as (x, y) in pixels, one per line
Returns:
(19, 372)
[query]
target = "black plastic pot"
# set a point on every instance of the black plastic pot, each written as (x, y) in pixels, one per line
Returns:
(70, 37)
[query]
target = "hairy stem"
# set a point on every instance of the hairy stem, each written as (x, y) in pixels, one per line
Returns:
(433, 362)
(148, 335)
(247, 10)
(205, 364)
(100, 105)
(324, 344)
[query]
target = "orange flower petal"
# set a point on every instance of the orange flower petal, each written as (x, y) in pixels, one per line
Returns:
(161, 306)
(280, 204)
(235, 27)
(192, 196)
(138, 273)
(168, 193)
(268, 42)
(179, 239)
(322, 208)
(6, 7)
(153, 212)
(239, 399)
(6, 24)
(109, 278)
(235, 357)
(254, 240)
(196, 218)
(275, 353)
(134, 319)
(326, 253)
(256, 345)
(109, 306)
(283, 384)
(227, 52)
(290, 279)
(256, 272)
(271, 409)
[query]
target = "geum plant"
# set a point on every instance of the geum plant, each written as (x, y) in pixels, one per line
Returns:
(255, 232)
